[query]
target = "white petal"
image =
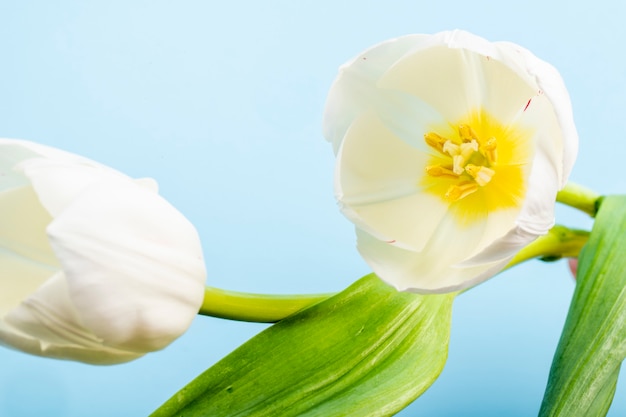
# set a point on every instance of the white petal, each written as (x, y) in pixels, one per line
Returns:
(377, 183)
(26, 258)
(133, 265)
(15, 339)
(501, 250)
(459, 74)
(48, 315)
(148, 184)
(24, 343)
(11, 154)
(443, 265)
(551, 84)
(58, 183)
(537, 215)
(18, 150)
(495, 225)
(355, 90)
(420, 272)
(442, 77)
(57, 176)
(47, 324)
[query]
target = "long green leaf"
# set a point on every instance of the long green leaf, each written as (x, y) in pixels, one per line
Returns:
(367, 351)
(593, 343)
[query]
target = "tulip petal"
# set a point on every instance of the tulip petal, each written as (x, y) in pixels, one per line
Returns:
(460, 80)
(551, 85)
(537, 215)
(443, 265)
(58, 183)
(422, 272)
(355, 90)
(46, 324)
(49, 316)
(377, 183)
(133, 264)
(10, 155)
(16, 150)
(26, 258)
(502, 249)
(102, 356)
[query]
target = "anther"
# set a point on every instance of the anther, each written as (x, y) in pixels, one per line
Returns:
(467, 133)
(458, 192)
(435, 141)
(482, 175)
(439, 171)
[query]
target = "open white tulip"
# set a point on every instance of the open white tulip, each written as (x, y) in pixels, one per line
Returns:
(450, 152)
(94, 266)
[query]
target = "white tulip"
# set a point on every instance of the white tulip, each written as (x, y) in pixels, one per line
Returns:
(450, 152)
(94, 266)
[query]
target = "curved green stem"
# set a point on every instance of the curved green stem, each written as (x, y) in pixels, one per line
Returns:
(559, 242)
(579, 197)
(260, 308)
(269, 308)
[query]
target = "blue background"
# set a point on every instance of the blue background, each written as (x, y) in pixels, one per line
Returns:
(221, 102)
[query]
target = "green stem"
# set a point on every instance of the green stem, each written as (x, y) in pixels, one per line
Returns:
(559, 242)
(260, 308)
(269, 308)
(579, 197)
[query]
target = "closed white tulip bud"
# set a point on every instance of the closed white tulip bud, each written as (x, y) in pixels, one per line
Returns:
(94, 266)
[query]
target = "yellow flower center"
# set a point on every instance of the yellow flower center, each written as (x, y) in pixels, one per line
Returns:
(478, 165)
(469, 162)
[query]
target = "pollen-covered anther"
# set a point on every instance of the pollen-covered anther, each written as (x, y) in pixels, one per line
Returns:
(466, 133)
(482, 175)
(489, 149)
(439, 171)
(435, 141)
(457, 192)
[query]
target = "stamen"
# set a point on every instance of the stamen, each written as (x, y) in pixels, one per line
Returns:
(435, 141)
(482, 175)
(439, 171)
(467, 133)
(458, 164)
(490, 149)
(468, 148)
(458, 192)
(469, 176)
(451, 148)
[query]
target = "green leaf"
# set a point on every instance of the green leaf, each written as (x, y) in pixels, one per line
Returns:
(369, 351)
(593, 343)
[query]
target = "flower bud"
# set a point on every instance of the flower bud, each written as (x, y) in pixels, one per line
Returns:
(94, 266)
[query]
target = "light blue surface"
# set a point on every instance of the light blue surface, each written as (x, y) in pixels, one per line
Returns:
(221, 103)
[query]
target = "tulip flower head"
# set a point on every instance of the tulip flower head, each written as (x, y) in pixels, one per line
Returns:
(94, 266)
(450, 152)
